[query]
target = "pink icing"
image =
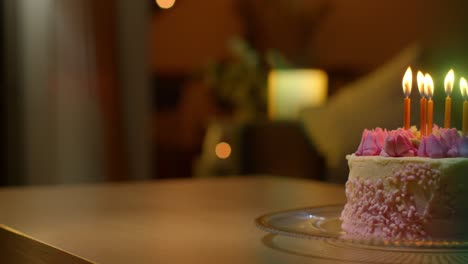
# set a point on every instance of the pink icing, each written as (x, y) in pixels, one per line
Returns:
(372, 212)
(442, 143)
(398, 144)
(372, 142)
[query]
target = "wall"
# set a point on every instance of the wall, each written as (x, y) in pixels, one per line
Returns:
(191, 33)
(353, 34)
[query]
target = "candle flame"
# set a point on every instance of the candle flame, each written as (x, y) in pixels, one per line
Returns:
(420, 78)
(448, 83)
(407, 82)
(464, 88)
(428, 85)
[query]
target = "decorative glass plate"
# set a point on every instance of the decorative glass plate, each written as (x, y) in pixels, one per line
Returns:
(324, 223)
(325, 240)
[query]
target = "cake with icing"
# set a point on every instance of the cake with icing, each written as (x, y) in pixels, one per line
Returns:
(405, 187)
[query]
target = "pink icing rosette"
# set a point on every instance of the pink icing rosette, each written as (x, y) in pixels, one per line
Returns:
(444, 142)
(398, 144)
(372, 142)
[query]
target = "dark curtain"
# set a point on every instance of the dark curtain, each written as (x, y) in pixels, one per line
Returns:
(3, 104)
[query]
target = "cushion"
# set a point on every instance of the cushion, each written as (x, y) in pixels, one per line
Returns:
(375, 100)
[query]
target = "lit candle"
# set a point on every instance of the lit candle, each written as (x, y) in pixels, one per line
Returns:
(464, 92)
(407, 82)
(429, 87)
(422, 103)
(448, 83)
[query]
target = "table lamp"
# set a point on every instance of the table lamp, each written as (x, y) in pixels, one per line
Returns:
(290, 90)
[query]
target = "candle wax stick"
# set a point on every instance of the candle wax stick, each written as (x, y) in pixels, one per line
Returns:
(465, 118)
(406, 118)
(430, 116)
(422, 115)
(448, 111)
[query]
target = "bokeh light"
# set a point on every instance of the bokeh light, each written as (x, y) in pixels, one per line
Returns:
(165, 4)
(223, 150)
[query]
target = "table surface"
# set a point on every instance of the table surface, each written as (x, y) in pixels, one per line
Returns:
(169, 221)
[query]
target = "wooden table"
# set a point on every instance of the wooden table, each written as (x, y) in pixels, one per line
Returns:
(174, 221)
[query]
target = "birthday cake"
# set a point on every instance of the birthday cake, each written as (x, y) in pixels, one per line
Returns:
(401, 187)
(406, 184)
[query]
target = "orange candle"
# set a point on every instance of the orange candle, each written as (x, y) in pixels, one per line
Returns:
(448, 83)
(429, 88)
(422, 104)
(407, 82)
(423, 115)
(407, 109)
(430, 116)
(464, 92)
(448, 110)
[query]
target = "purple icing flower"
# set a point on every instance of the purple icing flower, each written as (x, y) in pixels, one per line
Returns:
(372, 142)
(452, 140)
(463, 147)
(432, 146)
(398, 144)
(444, 142)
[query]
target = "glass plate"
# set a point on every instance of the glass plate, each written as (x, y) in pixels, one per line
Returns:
(324, 223)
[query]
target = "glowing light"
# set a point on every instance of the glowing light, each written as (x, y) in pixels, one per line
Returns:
(420, 78)
(291, 90)
(223, 150)
(448, 83)
(429, 85)
(407, 82)
(165, 4)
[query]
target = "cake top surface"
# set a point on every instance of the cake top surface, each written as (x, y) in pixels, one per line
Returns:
(416, 159)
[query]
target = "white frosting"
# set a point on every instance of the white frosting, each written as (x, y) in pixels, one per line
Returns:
(378, 167)
(416, 195)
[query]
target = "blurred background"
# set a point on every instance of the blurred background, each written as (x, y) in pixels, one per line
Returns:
(113, 90)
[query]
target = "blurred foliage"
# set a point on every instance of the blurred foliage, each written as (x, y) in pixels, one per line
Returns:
(240, 83)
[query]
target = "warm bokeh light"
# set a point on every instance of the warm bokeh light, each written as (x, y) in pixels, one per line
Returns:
(223, 150)
(429, 85)
(464, 88)
(291, 90)
(448, 83)
(407, 82)
(166, 4)
(420, 79)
